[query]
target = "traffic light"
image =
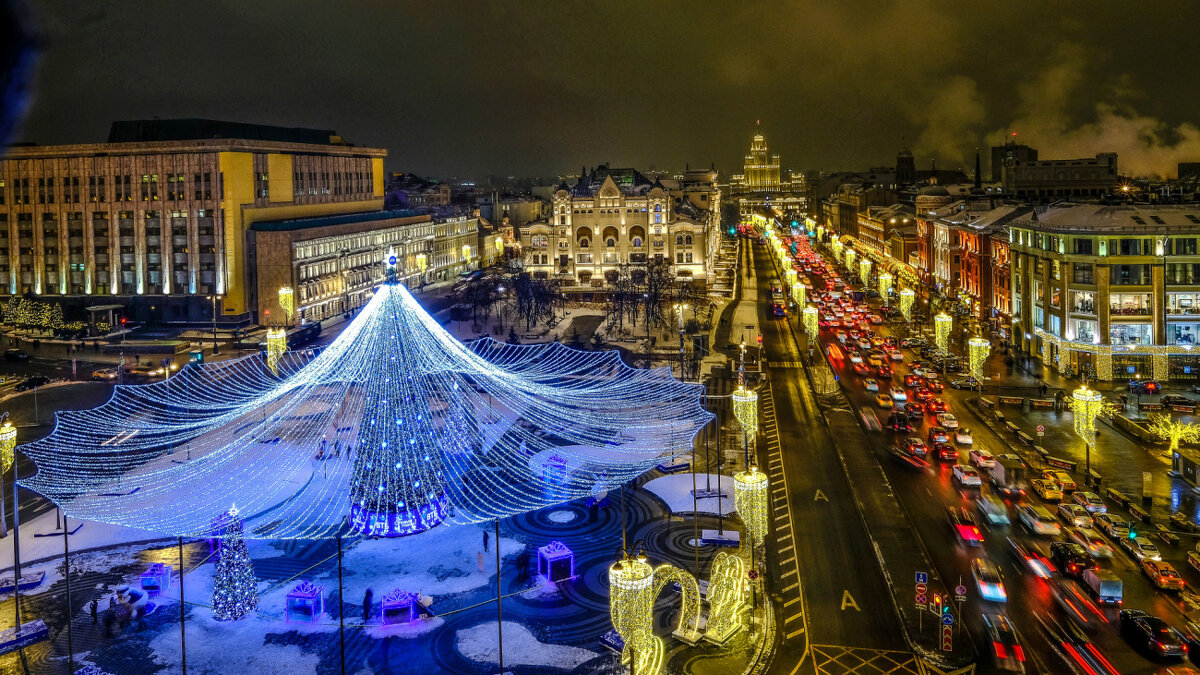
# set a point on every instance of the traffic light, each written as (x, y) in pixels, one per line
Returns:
(760, 339)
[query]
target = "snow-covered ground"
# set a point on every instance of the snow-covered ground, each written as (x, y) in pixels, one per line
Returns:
(89, 535)
(675, 491)
(521, 647)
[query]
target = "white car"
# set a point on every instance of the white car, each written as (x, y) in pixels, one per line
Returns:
(981, 458)
(1113, 525)
(899, 395)
(1090, 501)
(855, 357)
(988, 580)
(947, 420)
(1141, 549)
(966, 476)
(871, 385)
(1039, 521)
(1075, 515)
(1091, 540)
(963, 436)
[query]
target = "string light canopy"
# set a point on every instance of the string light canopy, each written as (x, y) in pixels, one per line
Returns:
(941, 326)
(287, 302)
(907, 295)
(414, 428)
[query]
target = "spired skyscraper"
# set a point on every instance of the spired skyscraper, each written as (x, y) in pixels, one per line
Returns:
(760, 171)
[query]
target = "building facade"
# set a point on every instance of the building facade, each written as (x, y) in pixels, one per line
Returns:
(1109, 290)
(616, 217)
(760, 170)
(158, 216)
(1088, 177)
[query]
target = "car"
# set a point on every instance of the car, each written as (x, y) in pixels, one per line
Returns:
(32, 382)
(105, 374)
(964, 526)
(988, 580)
(936, 405)
(894, 354)
(965, 383)
(914, 447)
(947, 420)
(914, 411)
(1111, 524)
(899, 395)
(875, 319)
(992, 509)
(863, 343)
(870, 385)
(933, 385)
(1075, 515)
(951, 365)
(897, 421)
(1090, 501)
(938, 435)
(15, 354)
(1038, 520)
(1070, 559)
(855, 357)
(1140, 549)
(913, 381)
(922, 394)
(1144, 387)
(966, 476)
(883, 400)
(981, 458)
(1152, 633)
(1060, 478)
(885, 372)
(963, 436)
(877, 341)
(875, 359)
(1162, 575)
(912, 342)
(1032, 558)
(944, 452)
(1091, 540)
(861, 369)
(1176, 399)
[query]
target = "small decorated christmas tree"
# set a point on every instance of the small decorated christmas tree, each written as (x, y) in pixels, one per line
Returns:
(234, 588)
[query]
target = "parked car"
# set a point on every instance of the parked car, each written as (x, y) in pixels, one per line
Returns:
(965, 383)
(1152, 633)
(1176, 399)
(1061, 478)
(15, 354)
(32, 382)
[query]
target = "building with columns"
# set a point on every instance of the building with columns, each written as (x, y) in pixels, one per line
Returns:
(157, 218)
(614, 217)
(1109, 290)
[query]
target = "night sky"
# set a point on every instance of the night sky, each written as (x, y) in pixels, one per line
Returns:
(541, 88)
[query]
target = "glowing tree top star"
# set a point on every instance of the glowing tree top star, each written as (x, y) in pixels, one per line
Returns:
(409, 426)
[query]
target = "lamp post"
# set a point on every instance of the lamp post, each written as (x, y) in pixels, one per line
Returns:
(287, 302)
(1086, 406)
(907, 296)
(885, 286)
(8, 444)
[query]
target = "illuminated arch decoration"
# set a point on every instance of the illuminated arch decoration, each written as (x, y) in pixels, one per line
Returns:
(276, 346)
(633, 587)
(726, 598)
(287, 302)
(811, 325)
(941, 326)
(978, 349)
(441, 432)
(907, 295)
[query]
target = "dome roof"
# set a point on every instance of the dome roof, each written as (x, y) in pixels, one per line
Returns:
(934, 191)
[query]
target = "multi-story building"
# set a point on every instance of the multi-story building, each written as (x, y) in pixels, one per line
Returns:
(760, 170)
(158, 216)
(971, 250)
(876, 224)
(1088, 177)
(1001, 314)
(614, 217)
(762, 185)
(1113, 290)
(410, 191)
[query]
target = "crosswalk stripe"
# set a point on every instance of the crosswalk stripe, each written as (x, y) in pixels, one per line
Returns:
(793, 618)
(791, 588)
(791, 602)
(788, 573)
(794, 634)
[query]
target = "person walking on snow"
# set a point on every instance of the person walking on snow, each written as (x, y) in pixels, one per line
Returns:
(485, 541)
(368, 597)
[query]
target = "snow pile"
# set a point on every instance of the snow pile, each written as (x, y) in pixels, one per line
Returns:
(478, 643)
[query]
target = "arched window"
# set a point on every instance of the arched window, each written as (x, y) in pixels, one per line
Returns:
(610, 242)
(679, 240)
(688, 240)
(583, 242)
(637, 242)
(658, 208)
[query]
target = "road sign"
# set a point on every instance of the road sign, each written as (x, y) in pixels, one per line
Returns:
(921, 588)
(920, 600)
(947, 619)
(947, 639)
(960, 593)
(1041, 429)
(922, 578)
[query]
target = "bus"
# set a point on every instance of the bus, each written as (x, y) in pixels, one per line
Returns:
(778, 304)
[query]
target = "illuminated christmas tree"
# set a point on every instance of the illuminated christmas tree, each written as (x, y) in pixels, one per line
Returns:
(234, 587)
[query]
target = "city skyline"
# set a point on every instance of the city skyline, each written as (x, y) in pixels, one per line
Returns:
(835, 88)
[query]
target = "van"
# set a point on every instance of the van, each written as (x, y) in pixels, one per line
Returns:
(1105, 585)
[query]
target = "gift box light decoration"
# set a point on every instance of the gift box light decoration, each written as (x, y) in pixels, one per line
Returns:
(907, 296)
(941, 327)
(633, 586)
(287, 302)
(157, 579)
(399, 607)
(556, 562)
(811, 324)
(412, 401)
(305, 603)
(978, 349)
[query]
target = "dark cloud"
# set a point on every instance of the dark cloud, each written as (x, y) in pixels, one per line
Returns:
(542, 87)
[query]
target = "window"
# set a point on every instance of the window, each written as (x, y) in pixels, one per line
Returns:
(45, 190)
(1083, 273)
(1039, 318)
(637, 242)
(610, 242)
(1056, 325)
(150, 187)
(1183, 303)
(687, 239)
(1129, 333)
(1085, 331)
(1184, 246)
(1129, 303)
(1083, 302)
(1182, 333)
(1083, 247)
(1129, 275)
(262, 187)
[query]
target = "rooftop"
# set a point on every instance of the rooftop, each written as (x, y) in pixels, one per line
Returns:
(194, 129)
(290, 224)
(1093, 218)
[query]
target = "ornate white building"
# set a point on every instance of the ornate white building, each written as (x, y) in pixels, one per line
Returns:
(611, 217)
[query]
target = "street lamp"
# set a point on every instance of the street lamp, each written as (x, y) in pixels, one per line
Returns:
(864, 270)
(287, 303)
(850, 256)
(8, 445)
(1086, 406)
(799, 293)
(907, 295)
(810, 321)
(276, 346)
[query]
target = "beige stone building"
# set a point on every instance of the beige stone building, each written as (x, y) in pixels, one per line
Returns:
(612, 217)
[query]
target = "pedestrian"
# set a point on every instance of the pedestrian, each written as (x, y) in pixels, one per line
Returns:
(94, 608)
(479, 561)
(368, 598)
(112, 602)
(108, 623)
(485, 541)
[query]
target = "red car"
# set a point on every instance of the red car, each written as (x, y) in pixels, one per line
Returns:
(944, 453)
(862, 369)
(923, 394)
(912, 381)
(885, 372)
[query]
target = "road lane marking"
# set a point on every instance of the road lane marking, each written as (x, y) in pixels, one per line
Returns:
(848, 601)
(785, 549)
(820, 496)
(793, 618)
(790, 573)
(791, 635)
(791, 602)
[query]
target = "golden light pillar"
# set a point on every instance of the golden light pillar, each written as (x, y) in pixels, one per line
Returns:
(810, 321)
(791, 275)
(1086, 405)
(851, 255)
(837, 249)
(466, 253)
(907, 296)
(287, 302)
(745, 409)
(799, 293)
(978, 349)
(885, 285)
(750, 501)
(633, 586)
(941, 326)
(864, 270)
(276, 346)
(8, 446)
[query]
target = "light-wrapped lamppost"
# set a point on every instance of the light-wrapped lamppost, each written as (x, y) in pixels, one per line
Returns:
(978, 349)
(1087, 405)
(287, 302)
(941, 327)
(885, 285)
(810, 322)
(907, 296)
